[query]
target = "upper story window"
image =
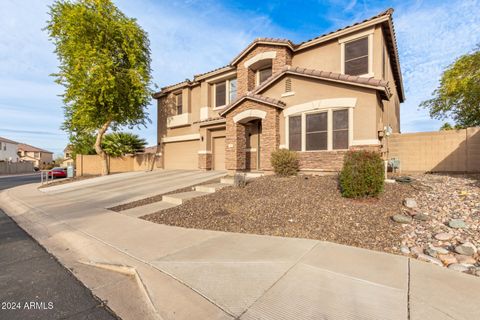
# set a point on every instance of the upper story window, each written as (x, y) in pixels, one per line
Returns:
(225, 92)
(36, 155)
(356, 57)
(325, 130)
(179, 103)
(357, 53)
(263, 74)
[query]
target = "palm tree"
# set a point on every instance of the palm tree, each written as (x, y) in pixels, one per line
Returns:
(117, 144)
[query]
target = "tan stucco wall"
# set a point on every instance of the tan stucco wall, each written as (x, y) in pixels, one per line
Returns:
(325, 57)
(439, 151)
(364, 114)
(92, 164)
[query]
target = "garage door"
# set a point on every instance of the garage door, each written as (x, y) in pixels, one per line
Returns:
(181, 155)
(219, 153)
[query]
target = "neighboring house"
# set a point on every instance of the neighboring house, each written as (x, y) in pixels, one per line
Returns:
(321, 97)
(8, 150)
(67, 157)
(38, 156)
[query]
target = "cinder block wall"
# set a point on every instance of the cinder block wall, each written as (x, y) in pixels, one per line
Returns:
(439, 151)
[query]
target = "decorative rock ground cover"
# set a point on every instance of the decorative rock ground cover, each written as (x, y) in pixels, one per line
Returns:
(448, 231)
(304, 207)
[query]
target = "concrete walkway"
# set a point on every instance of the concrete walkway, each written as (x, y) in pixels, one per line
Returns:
(197, 274)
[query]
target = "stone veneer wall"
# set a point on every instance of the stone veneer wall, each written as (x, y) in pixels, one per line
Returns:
(246, 76)
(235, 156)
(328, 160)
(205, 161)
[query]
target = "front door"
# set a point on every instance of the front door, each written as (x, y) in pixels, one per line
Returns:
(253, 132)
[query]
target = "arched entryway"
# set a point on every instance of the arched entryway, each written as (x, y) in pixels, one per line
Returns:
(252, 134)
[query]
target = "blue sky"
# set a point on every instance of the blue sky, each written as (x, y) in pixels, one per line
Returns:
(194, 36)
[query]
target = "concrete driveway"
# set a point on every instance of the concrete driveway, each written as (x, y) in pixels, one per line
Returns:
(179, 273)
(121, 188)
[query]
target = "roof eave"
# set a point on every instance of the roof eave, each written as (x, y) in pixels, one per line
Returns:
(255, 43)
(290, 72)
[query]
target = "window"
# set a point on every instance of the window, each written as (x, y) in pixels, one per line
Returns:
(295, 133)
(316, 131)
(326, 130)
(220, 94)
(232, 90)
(36, 155)
(264, 74)
(340, 129)
(225, 92)
(356, 57)
(179, 103)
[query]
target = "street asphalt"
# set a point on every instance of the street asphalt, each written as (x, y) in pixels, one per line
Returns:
(13, 181)
(33, 284)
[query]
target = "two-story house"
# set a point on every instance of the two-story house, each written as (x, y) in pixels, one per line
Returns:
(38, 156)
(321, 97)
(8, 150)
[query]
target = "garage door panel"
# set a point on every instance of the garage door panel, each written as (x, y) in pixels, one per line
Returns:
(219, 153)
(181, 155)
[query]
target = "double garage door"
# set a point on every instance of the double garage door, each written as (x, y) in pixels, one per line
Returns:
(181, 155)
(184, 155)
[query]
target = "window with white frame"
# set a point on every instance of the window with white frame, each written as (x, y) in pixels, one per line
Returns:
(225, 92)
(295, 133)
(357, 54)
(263, 74)
(356, 57)
(340, 129)
(179, 103)
(317, 131)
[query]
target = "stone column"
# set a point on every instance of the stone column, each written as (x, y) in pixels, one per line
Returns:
(269, 138)
(235, 145)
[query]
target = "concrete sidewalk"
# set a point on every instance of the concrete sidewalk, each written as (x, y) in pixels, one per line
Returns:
(197, 274)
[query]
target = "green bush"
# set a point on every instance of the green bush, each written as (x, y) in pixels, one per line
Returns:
(362, 175)
(284, 162)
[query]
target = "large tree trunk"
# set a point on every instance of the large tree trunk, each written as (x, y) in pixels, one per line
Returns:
(98, 147)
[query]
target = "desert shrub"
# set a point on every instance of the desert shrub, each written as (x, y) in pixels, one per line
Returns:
(284, 162)
(362, 174)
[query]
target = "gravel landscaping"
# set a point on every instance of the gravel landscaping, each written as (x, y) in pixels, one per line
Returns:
(303, 206)
(441, 222)
(434, 218)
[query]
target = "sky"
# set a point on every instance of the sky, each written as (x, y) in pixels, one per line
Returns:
(194, 36)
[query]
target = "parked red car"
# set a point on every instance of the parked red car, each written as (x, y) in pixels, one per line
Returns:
(58, 173)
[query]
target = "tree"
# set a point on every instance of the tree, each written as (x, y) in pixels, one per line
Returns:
(119, 143)
(82, 143)
(458, 96)
(104, 66)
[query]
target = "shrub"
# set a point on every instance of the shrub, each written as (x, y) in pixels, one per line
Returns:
(284, 162)
(362, 174)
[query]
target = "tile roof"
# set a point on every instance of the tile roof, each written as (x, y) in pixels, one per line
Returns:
(27, 147)
(387, 12)
(263, 40)
(363, 81)
(254, 97)
(8, 140)
(391, 42)
(209, 120)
